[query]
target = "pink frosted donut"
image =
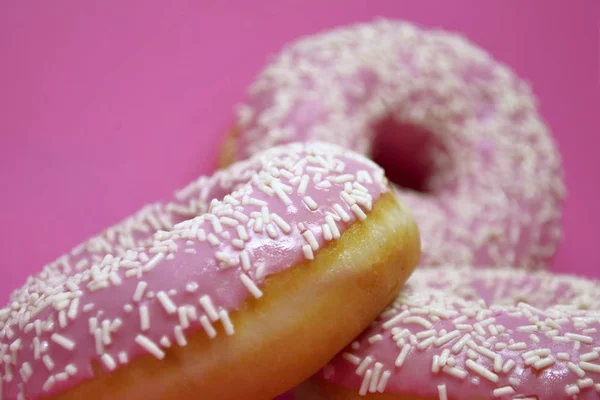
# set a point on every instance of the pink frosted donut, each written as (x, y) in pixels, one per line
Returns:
(456, 129)
(219, 298)
(474, 334)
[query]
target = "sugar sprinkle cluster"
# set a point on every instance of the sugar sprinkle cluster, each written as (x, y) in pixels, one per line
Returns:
(494, 168)
(489, 333)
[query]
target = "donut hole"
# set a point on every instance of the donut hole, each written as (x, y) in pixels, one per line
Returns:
(407, 153)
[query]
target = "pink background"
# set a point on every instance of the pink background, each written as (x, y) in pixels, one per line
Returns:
(105, 106)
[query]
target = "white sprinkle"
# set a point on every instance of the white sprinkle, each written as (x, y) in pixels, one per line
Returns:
(560, 339)
(240, 217)
(324, 185)
(49, 383)
(508, 366)
(585, 383)
(563, 356)
(73, 308)
(166, 302)
(224, 315)
(532, 360)
(360, 214)
(115, 278)
(544, 362)
(375, 378)
(365, 383)
(272, 232)
(375, 339)
(575, 369)
(208, 328)
(226, 260)
(47, 360)
(517, 346)
(165, 342)
(311, 240)
(528, 328)
(402, 356)
(332, 226)
(150, 346)
(580, 338)
(486, 352)
(362, 367)
(99, 344)
(63, 341)
(106, 332)
(534, 338)
(93, 324)
(144, 317)
(251, 286)
(426, 334)
(419, 321)
(327, 235)
(442, 392)
(26, 371)
(383, 381)
(179, 336)
(310, 203)
(589, 367)
(571, 390)
(308, 253)
(229, 221)
(109, 362)
(153, 262)
(426, 343)
(347, 198)
(284, 226)
(341, 212)
(479, 369)
(589, 356)
(213, 240)
(442, 340)
(139, 291)
(303, 184)
(455, 372)
(351, 358)
(458, 346)
(504, 391)
(245, 260)
(209, 308)
(260, 271)
(182, 313)
(393, 321)
(435, 364)
(280, 193)
(71, 369)
(258, 225)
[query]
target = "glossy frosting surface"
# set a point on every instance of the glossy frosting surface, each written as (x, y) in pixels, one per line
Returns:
(269, 213)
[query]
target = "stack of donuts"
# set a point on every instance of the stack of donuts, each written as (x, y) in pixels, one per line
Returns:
(388, 208)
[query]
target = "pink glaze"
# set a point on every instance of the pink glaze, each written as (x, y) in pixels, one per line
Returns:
(141, 300)
(459, 330)
(461, 127)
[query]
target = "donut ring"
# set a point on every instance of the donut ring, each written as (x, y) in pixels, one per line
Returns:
(251, 285)
(461, 127)
(474, 334)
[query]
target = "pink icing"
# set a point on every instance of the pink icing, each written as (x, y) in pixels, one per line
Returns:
(66, 317)
(489, 169)
(493, 317)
